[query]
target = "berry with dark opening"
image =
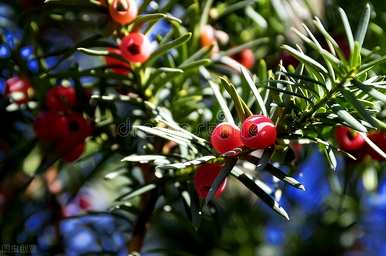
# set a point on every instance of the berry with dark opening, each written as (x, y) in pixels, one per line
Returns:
(245, 58)
(204, 178)
(78, 128)
(136, 47)
(123, 11)
(61, 98)
(117, 66)
(348, 139)
(225, 137)
(18, 90)
(72, 144)
(258, 132)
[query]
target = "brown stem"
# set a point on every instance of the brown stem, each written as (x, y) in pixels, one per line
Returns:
(147, 204)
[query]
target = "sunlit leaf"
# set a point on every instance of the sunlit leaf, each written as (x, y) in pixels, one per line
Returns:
(363, 24)
(347, 117)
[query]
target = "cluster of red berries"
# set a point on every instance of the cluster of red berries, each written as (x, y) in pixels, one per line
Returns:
(257, 132)
(60, 127)
(134, 47)
(18, 90)
(354, 143)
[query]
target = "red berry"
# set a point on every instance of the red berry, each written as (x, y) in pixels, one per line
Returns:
(258, 132)
(61, 98)
(67, 132)
(204, 178)
(348, 139)
(118, 67)
(225, 137)
(379, 139)
(78, 128)
(71, 154)
(84, 203)
(123, 11)
(207, 36)
(136, 47)
(245, 58)
(50, 126)
(18, 90)
(72, 144)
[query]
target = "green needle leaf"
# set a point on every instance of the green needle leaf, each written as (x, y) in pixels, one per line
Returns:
(137, 192)
(363, 24)
(205, 13)
(371, 91)
(162, 49)
(171, 70)
(241, 47)
(93, 52)
(330, 39)
(284, 177)
(289, 93)
(140, 20)
(373, 145)
(348, 118)
(255, 188)
(304, 78)
(173, 135)
(143, 158)
(224, 172)
(358, 106)
(330, 156)
(183, 165)
(366, 67)
(263, 161)
(347, 28)
(304, 58)
(143, 6)
(218, 95)
(355, 57)
(222, 102)
(253, 87)
(242, 109)
(195, 64)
